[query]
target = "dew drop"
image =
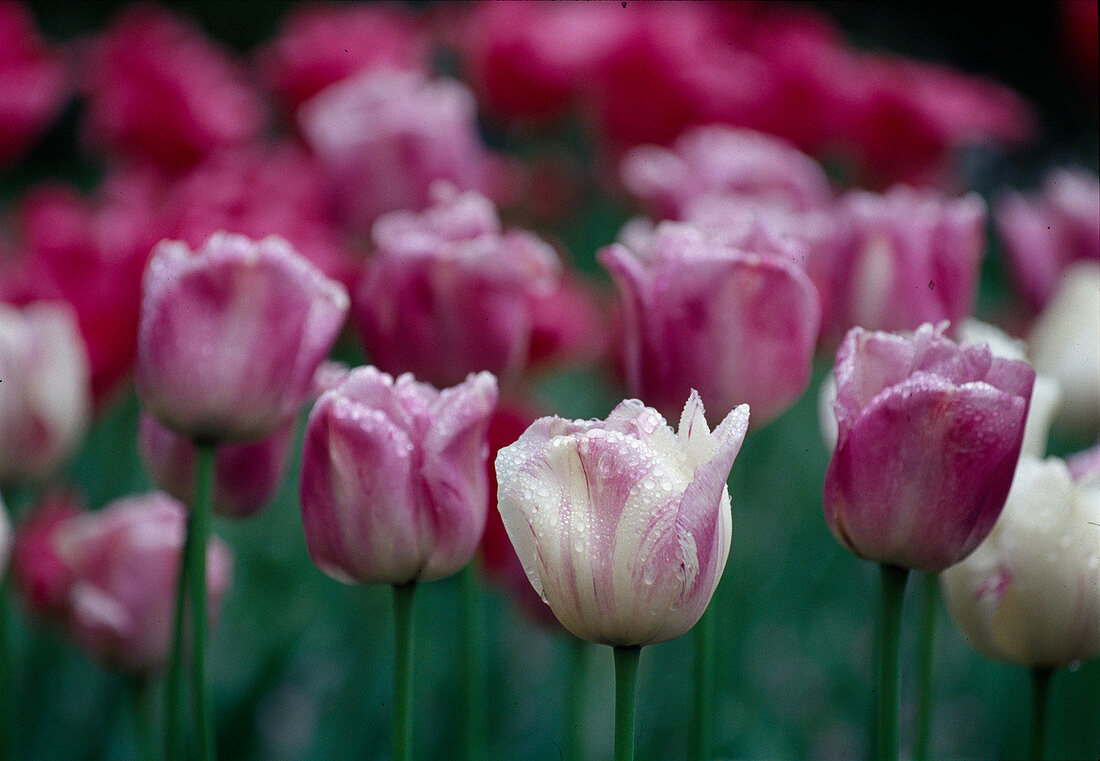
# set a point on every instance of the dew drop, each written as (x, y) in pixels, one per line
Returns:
(649, 575)
(578, 544)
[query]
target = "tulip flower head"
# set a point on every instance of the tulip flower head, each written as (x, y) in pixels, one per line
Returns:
(1030, 593)
(394, 487)
(45, 401)
(124, 560)
(622, 525)
(231, 335)
(929, 433)
(39, 572)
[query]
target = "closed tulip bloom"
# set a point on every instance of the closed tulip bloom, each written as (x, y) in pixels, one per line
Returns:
(1030, 593)
(929, 433)
(735, 319)
(45, 400)
(246, 474)
(40, 574)
(124, 561)
(394, 487)
(230, 335)
(449, 292)
(622, 525)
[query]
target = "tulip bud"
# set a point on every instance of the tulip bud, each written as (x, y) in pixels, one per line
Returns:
(449, 292)
(44, 397)
(928, 437)
(125, 561)
(1030, 593)
(231, 335)
(735, 319)
(623, 526)
(1064, 345)
(394, 487)
(246, 475)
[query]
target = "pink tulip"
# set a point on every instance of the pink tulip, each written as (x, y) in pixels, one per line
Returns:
(394, 487)
(231, 335)
(322, 44)
(384, 137)
(33, 81)
(246, 475)
(40, 574)
(448, 292)
(928, 437)
(158, 90)
(1044, 234)
(735, 319)
(904, 258)
(623, 526)
(44, 393)
(124, 561)
(723, 161)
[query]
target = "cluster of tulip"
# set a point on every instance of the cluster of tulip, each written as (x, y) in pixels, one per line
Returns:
(209, 275)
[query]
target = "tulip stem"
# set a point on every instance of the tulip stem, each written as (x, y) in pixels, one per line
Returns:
(198, 525)
(402, 670)
(1040, 691)
(574, 707)
(702, 719)
(7, 677)
(626, 687)
(893, 592)
(926, 638)
(173, 681)
(474, 708)
(139, 691)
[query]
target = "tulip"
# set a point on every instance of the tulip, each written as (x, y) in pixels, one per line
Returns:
(1044, 234)
(723, 161)
(246, 474)
(929, 435)
(41, 575)
(385, 136)
(448, 292)
(44, 393)
(393, 486)
(230, 336)
(1030, 593)
(904, 258)
(1063, 345)
(623, 526)
(124, 560)
(1085, 465)
(735, 319)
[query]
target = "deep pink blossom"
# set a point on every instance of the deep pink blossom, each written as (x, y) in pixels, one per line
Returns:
(394, 487)
(929, 433)
(736, 319)
(40, 574)
(33, 81)
(449, 292)
(320, 44)
(158, 89)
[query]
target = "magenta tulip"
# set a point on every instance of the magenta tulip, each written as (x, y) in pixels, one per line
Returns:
(394, 487)
(230, 336)
(735, 319)
(928, 437)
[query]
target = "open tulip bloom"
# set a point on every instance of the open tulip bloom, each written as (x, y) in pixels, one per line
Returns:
(929, 433)
(623, 526)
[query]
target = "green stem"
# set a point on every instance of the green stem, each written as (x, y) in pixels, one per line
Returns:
(474, 703)
(174, 682)
(402, 670)
(626, 687)
(574, 707)
(893, 592)
(702, 719)
(198, 525)
(926, 638)
(140, 694)
(7, 677)
(1040, 691)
